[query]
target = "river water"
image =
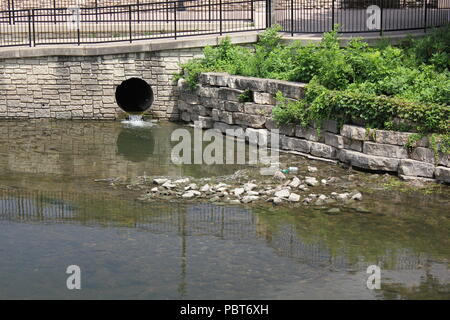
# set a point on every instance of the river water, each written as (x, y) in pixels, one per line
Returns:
(53, 214)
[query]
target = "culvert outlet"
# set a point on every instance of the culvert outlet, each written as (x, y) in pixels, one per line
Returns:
(134, 95)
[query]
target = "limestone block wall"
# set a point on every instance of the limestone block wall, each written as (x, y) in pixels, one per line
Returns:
(218, 103)
(83, 87)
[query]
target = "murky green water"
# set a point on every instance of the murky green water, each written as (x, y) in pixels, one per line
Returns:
(53, 214)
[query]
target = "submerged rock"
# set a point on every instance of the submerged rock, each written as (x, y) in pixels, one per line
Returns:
(311, 181)
(319, 202)
(293, 197)
(249, 186)
(284, 193)
(342, 196)
(221, 186)
(277, 200)
(238, 191)
(180, 181)
(205, 188)
(295, 182)
(160, 181)
(214, 199)
(312, 169)
(357, 196)
(333, 211)
(168, 185)
(307, 200)
(192, 186)
(188, 195)
(279, 175)
(248, 199)
(323, 197)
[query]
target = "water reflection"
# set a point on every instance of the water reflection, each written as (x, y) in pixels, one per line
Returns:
(71, 150)
(135, 144)
(203, 250)
(52, 214)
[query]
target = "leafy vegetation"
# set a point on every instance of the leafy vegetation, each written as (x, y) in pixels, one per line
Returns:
(405, 87)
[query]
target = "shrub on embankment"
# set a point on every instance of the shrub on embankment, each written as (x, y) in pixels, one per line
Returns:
(405, 87)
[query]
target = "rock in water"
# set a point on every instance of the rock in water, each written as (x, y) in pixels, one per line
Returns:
(333, 211)
(357, 196)
(342, 196)
(248, 199)
(168, 185)
(277, 200)
(192, 186)
(185, 180)
(284, 193)
(293, 197)
(311, 181)
(279, 175)
(188, 195)
(238, 191)
(249, 186)
(295, 182)
(160, 181)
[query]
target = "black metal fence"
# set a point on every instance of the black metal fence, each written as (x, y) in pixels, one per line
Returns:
(357, 16)
(139, 20)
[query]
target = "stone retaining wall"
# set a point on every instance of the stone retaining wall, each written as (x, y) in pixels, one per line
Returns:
(79, 82)
(216, 103)
(83, 87)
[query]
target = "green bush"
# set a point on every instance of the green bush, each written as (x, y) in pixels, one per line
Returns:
(376, 111)
(433, 49)
(375, 84)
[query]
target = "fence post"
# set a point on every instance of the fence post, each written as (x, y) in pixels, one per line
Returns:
(138, 13)
(425, 16)
(78, 30)
(332, 15)
(96, 11)
(175, 18)
(381, 17)
(220, 15)
(252, 17)
(268, 13)
(273, 19)
(209, 11)
(34, 30)
(292, 18)
(13, 12)
(167, 11)
(129, 22)
(9, 12)
(30, 37)
(54, 12)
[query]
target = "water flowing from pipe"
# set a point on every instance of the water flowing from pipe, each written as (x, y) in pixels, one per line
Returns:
(136, 120)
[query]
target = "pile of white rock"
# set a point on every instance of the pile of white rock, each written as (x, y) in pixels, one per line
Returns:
(278, 190)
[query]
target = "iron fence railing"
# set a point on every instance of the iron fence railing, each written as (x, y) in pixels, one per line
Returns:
(99, 21)
(149, 20)
(353, 16)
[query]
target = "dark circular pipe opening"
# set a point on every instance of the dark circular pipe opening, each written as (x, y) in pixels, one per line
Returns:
(134, 95)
